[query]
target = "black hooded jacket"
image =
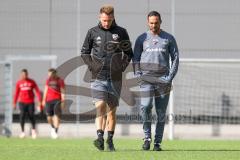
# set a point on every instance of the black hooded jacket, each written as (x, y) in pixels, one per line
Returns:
(107, 52)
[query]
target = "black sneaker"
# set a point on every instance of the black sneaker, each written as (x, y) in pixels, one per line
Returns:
(146, 144)
(99, 144)
(157, 147)
(110, 145)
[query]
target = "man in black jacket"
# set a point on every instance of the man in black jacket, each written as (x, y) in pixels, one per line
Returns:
(107, 52)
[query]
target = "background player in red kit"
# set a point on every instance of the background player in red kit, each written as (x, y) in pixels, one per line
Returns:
(53, 100)
(24, 95)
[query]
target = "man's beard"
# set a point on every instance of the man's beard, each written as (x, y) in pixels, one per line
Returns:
(155, 30)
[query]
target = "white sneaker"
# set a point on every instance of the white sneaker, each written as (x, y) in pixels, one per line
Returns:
(54, 135)
(22, 135)
(52, 132)
(34, 134)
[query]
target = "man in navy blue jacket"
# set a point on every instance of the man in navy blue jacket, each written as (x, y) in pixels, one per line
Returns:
(152, 52)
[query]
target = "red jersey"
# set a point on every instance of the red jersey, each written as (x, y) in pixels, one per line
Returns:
(24, 91)
(54, 89)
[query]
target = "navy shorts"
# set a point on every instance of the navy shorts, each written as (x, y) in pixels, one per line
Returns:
(106, 90)
(53, 108)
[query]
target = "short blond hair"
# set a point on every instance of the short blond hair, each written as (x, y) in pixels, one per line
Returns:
(107, 9)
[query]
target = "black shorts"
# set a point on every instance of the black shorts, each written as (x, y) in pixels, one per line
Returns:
(53, 108)
(26, 108)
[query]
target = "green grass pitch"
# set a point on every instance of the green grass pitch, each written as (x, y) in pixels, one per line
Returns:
(80, 149)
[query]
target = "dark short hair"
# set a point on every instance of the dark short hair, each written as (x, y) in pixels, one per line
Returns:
(52, 70)
(24, 71)
(155, 13)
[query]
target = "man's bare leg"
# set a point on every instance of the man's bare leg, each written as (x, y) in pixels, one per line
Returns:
(111, 121)
(111, 118)
(56, 122)
(100, 121)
